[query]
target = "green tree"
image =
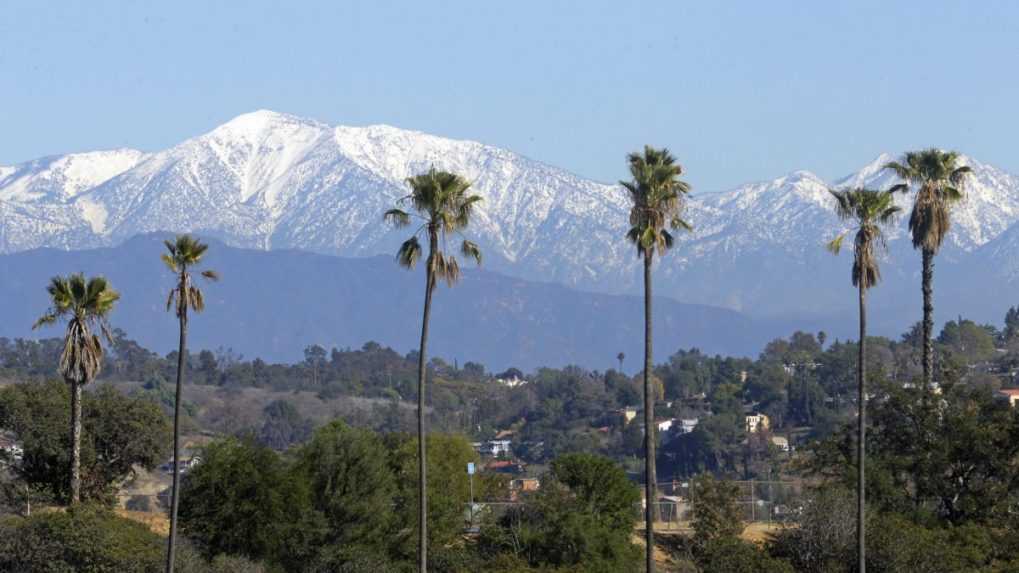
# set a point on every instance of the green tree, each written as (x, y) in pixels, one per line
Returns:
(938, 180)
(716, 514)
(283, 426)
(869, 210)
(581, 519)
(967, 339)
(351, 483)
(86, 304)
(119, 433)
(448, 492)
(243, 499)
(656, 195)
(182, 256)
(441, 201)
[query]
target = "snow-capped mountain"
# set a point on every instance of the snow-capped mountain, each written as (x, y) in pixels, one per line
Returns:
(271, 181)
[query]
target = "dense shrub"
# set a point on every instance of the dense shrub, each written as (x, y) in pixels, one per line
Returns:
(84, 539)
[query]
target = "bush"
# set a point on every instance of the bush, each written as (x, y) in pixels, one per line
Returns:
(84, 539)
(581, 518)
(731, 555)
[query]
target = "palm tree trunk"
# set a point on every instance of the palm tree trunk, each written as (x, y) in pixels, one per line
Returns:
(75, 442)
(175, 492)
(861, 370)
(422, 372)
(649, 424)
(928, 319)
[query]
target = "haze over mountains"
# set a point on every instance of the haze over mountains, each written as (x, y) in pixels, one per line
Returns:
(272, 181)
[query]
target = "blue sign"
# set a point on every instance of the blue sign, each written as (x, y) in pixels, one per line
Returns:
(470, 468)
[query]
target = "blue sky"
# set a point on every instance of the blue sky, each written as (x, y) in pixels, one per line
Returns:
(740, 90)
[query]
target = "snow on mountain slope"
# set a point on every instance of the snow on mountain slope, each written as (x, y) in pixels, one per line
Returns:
(270, 180)
(990, 206)
(63, 177)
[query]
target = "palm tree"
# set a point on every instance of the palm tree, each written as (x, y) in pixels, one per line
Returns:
(86, 304)
(938, 180)
(656, 194)
(183, 254)
(870, 210)
(621, 357)
(440, 201)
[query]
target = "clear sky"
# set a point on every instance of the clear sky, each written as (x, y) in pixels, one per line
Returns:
(739, 91)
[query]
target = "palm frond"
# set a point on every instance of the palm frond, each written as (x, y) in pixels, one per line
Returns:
(409, 253)
(397, 217)
(471, 251)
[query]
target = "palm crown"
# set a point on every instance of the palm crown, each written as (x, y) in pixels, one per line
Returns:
(870, 209)
(940, 180)
(183, 253)
(87, 303)
(656, 193)
(440, 201)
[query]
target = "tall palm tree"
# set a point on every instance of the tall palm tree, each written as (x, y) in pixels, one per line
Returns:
(938, 180)
(86, 304)
(869, 210)
(656, 193)
(439, 200)
(183, 254)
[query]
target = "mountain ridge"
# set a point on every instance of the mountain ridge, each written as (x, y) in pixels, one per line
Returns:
(269, 180)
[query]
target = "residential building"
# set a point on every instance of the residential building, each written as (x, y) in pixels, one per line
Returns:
(780, 442)
(686, 425)
(628, 414)
(755, 422)
(1009, 394)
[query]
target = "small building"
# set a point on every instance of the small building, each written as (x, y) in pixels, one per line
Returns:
(687, 425)
(494, 448)
(665, 425)
(1011, 395)
(512, 382)
(10, 450)
(525, 484)
(504, 466)
(780, 442)
(628, 414)
(756, 422)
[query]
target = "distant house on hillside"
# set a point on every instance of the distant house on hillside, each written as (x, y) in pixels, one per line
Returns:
(494, 448)
(687, 425)
(1011, 395)
(627, 414)
(10, 450)
(756, 422)
(511, 382)
(186, 465)
(504, 466)
(780, 442)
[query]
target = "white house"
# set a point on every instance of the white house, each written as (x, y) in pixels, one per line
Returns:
(756, 422)
(781, 443)
(511, 382)
(493, 448)
(686, 425)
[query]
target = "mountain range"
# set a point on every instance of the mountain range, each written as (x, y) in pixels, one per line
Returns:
(273, 304)
(276, 182)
